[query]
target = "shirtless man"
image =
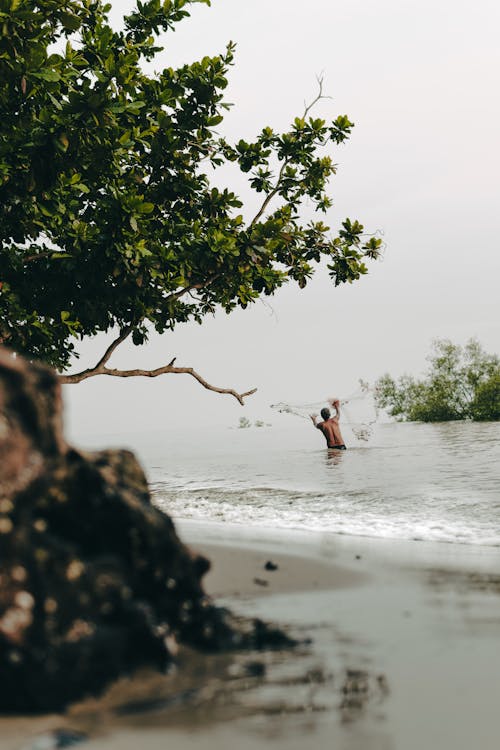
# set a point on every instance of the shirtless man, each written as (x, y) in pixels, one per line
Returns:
(330, 426)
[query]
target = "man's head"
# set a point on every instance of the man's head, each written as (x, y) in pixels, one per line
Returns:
(325, 413)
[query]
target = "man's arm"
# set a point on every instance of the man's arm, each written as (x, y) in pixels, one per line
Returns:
(314, 418)
(335, 403)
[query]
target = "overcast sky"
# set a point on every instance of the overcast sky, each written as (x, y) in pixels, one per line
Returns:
(420, 81)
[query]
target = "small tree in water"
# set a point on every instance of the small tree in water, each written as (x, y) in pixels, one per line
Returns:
(461, 383)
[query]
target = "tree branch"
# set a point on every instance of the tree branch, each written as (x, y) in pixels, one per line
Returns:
(270, 196)
(308, 107)
(185, 289)
(44, 254)
(101, 370)
(124, 333)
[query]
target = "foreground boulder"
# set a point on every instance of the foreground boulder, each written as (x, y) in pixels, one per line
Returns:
(94, 581)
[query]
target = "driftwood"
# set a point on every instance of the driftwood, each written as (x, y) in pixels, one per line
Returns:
(94, 581)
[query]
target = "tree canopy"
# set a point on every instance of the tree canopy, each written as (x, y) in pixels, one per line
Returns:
(109, 213)
(461, 383)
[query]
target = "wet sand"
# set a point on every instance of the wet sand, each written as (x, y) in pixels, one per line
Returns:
(400, 651)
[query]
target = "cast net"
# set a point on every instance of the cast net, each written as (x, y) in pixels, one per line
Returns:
(357, 410)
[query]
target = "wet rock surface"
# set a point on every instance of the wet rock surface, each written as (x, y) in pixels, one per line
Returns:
(94, 581)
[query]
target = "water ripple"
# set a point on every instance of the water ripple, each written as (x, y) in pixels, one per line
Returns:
(437, 482)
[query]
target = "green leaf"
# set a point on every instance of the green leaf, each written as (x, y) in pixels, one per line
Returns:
(47, 75)
(70, 21)
(146, 208)
(216, 120)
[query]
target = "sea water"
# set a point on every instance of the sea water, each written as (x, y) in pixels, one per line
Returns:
(409, 481)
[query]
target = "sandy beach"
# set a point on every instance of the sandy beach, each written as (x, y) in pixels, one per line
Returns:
(399, 652)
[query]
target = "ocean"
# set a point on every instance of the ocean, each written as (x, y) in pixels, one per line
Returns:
(437, 482)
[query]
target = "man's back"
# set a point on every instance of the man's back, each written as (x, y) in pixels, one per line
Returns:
(331, 430)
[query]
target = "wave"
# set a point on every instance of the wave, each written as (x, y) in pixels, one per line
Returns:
(356, 513)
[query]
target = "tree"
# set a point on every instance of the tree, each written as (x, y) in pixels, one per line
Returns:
(461, 383)
(486, 402)
(109, 217)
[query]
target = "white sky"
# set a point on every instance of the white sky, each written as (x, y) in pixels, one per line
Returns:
(421, 82)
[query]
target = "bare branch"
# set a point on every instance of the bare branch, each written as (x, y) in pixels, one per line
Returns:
(308, 107)
(78, 376)
(166, 369)
(124, 333)
(100, 366)
(101, 369)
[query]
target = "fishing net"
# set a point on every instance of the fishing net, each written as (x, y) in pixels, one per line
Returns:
(358, 410)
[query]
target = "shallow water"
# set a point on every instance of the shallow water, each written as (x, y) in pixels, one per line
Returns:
(410, 481)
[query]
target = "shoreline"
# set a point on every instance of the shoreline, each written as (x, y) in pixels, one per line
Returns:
(329, 545)
(404, 652)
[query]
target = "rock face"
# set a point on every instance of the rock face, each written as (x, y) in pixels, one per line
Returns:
(94, 581)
